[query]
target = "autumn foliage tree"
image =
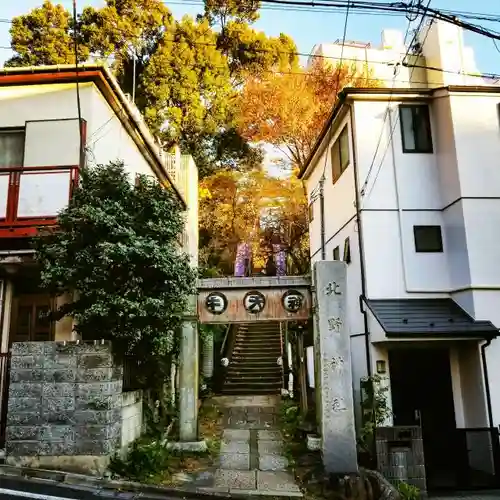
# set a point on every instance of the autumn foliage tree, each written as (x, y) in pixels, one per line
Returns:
(256, 208)
(288, 109)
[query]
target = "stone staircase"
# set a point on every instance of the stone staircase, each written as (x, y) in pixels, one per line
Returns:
(253, 368)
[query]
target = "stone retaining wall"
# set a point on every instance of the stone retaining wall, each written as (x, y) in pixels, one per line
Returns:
(65, 405)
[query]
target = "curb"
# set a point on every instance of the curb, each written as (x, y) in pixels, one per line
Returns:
(70, 479)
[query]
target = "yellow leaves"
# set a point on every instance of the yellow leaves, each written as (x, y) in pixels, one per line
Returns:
(204, 193)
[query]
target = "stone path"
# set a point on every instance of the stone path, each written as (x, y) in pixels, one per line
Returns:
(483, 495)
(251, 458)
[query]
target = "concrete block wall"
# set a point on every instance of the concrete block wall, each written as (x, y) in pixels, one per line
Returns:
(131, 417)
(65, 405)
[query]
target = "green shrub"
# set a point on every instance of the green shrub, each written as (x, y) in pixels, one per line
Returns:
(408, 491)
(143, 462)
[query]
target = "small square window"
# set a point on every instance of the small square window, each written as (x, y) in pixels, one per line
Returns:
(340, 154)
(347, 251)
(415, 128)
(11, 148)
(310, 210)
(336, 253)
(428, 238)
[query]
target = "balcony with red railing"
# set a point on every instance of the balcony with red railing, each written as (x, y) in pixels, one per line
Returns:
(31, 197)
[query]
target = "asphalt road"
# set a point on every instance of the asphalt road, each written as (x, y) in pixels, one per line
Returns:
(16, 489)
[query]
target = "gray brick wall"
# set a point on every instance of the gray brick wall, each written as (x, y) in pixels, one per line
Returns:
(64, 400)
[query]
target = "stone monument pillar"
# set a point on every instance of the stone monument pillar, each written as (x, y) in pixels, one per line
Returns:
(335, 407)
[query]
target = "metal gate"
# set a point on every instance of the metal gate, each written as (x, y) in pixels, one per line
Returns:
(478, 458)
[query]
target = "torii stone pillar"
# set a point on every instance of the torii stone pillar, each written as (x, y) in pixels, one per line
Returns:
(188, 383)
(335, 406)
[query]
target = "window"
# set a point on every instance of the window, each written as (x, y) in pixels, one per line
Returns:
(311, 212)
(336, 253)
(428, 238)
(415, 128)
(347, 251)
(340, 154)
(11, 148)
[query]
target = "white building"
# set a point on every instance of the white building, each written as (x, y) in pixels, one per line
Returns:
(412, 203)
(39, 163)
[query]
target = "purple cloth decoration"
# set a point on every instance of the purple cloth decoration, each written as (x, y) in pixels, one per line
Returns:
(243, 253)
(279, 260)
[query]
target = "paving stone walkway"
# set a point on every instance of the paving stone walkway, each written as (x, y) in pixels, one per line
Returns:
(251, 456)
(469, 495)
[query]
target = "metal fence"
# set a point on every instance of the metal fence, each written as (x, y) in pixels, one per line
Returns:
(131, 374)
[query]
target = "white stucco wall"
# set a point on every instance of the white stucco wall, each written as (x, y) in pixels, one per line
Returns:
(108, 140)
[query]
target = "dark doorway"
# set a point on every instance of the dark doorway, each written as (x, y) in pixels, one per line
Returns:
(422, 395)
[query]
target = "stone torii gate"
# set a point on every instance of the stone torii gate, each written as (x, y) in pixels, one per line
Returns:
(283, 298)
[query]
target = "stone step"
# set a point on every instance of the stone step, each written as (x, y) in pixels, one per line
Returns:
(258, 348)
(229, 384)
(254, 361)
(263, 345)
(235, 376)
(259, 336)
(251, 352)
(248, 338)
(265, 370)
(261, 333)
(251, 392)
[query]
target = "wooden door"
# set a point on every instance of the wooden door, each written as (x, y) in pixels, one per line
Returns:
(29, 319)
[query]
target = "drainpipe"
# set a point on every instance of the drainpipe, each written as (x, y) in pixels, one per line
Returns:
(322, 216)
(487, 382)
(398, 202)
(361, 250)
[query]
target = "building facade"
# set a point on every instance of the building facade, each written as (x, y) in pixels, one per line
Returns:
(406, 174)
(43, 144)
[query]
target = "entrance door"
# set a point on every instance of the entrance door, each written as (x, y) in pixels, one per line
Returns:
(29, 319)
(422, 395)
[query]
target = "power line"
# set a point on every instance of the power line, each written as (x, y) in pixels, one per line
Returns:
(322, 179)
(78, 100)
(379, 141)
(391, 135)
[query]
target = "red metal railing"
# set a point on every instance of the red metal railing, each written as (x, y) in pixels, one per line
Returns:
(23, 188)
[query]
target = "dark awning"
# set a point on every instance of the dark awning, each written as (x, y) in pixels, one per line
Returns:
(428, 317)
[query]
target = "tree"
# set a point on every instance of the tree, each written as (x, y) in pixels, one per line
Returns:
(126, 33)
(253, 53)
(289, 227)
(116, 251)
(44, 36)
(255, 208)
(187, 86)
(220, 11)
(289, 109)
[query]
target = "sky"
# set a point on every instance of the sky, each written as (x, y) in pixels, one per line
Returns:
(308, 27)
